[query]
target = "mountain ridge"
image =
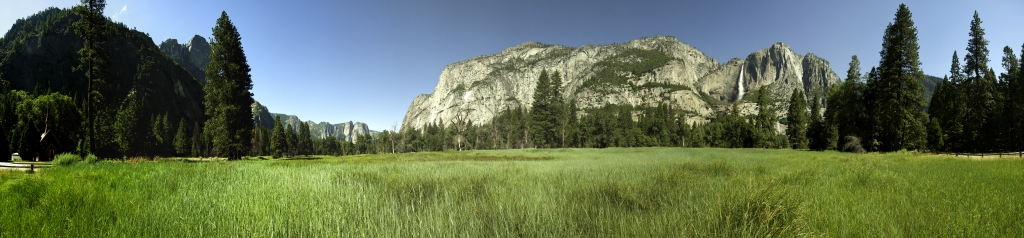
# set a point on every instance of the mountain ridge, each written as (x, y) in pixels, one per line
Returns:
(642, 72)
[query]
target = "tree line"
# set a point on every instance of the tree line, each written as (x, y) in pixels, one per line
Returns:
(972, 110)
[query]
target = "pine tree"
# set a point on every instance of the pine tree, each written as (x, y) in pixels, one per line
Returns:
(816, 130)
(898, 93)
(765, 120)
(797, 119)
(846, 110)
(305, 141)
(278, 142)
(228, 96)
(556, 133)
(540, 112)
(90, 26)
(181, 139)
(129, 128)
(1014, 99)
(292, 140)
(978, 90)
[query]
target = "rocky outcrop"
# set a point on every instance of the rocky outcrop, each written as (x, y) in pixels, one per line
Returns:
(349, 131)
(193, 56)
(643, 72)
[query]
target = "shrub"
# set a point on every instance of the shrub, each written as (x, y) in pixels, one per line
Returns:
(852, 145)
(66, 159)
(91, 158)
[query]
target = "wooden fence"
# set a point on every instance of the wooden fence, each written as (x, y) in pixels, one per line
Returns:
(31, 167)
(1018, 154)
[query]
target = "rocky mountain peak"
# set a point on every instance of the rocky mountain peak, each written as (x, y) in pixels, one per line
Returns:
(642, 72)
(193, 56)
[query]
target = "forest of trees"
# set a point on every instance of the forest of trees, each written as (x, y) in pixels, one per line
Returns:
(972, 110)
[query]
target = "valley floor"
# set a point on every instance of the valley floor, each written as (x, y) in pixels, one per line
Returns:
(631, 192)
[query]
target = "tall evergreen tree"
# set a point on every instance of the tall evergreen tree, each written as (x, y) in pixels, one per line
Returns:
(950, 106)
(980, 90)
(765, 120)
(846, 110)
(129, 128)
(899, 105)
(797, 119)
(292, 140)
(305, 141)
(278, 141)
(540, 112)
(556, 134)
(90, 26)
(228, 96)
(181, 139)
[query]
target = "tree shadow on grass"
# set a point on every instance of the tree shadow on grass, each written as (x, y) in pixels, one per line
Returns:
(304, 158)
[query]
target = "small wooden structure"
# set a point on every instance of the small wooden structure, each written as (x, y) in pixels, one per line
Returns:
(49, 144)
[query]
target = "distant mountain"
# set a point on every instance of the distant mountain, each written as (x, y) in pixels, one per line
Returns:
(643, 72)
(929, 83)
(193, 56)
(39, 52)
(343, 131)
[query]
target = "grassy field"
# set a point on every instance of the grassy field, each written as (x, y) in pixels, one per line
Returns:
(547, 193)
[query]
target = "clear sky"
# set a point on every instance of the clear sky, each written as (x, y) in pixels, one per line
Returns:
(365, 61)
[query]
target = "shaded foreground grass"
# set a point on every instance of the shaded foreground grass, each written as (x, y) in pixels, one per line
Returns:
(549, 193)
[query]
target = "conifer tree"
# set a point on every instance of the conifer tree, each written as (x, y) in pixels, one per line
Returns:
(130, 129)
(797, 119)
(846, 109)
(540, 112)
(305, 141)
(979, 90)
(181, 139)
(278, 142)
(94, 59)
(898, 109)
(228, 96)
(292, 140)
(765, 120)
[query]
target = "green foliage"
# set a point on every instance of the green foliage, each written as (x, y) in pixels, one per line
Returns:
(798, 120)
(898, 109)
(618, 70)
(33, 112)
(182, 142)
(278, 140)
(936, 138)
(94, 59)
(66, 159)
(228, 96)
(291, 141)
(847, 111)
(765, 121)
(91, 158)
(305, 142)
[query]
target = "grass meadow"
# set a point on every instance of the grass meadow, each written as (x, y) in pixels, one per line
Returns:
(625, 192)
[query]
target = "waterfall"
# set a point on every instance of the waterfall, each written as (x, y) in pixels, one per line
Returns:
(740, 94)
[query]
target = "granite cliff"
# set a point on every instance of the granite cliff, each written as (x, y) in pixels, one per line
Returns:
(348, 131)
(643, 72)
(193, 56)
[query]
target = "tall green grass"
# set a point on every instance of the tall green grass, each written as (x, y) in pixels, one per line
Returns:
(550, 193)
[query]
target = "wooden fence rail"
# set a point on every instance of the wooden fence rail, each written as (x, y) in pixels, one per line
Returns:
(1018, 154)
(30, 166)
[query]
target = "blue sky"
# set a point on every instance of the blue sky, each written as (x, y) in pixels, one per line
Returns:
(365, 61)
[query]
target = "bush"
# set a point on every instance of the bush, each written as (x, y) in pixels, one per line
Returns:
(91, 158)
(67, 159)
(853, 145)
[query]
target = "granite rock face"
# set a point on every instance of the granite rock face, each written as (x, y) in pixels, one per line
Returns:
(193, 56)
(348, 131)
(682, 76)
